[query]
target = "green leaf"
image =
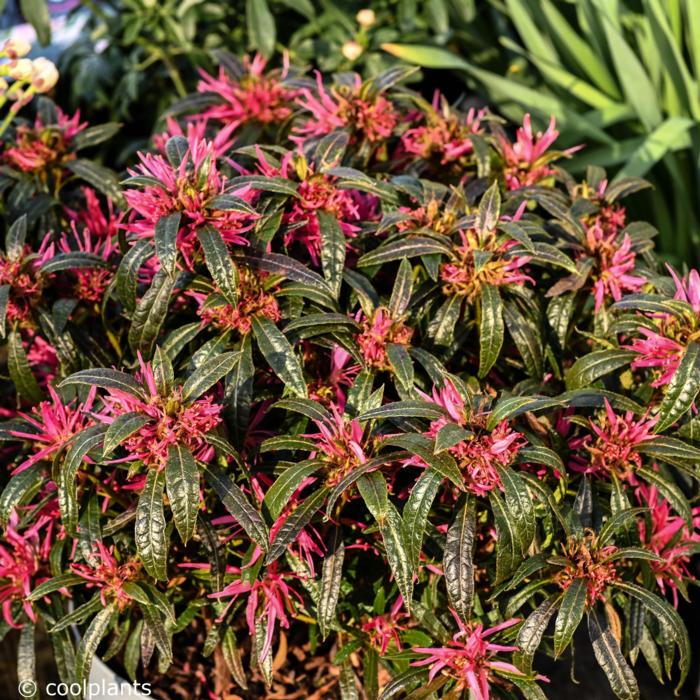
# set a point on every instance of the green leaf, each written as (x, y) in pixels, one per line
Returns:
(401, 364)
(237, 505)
(670, 450)
(208, 373)
(508, 550)
(150, 314)
(450, 435)
(101, 178)
(609, 656)
(520, 506)
(19, 487)
(307, 407)
(105, 379)
(393, 535)
(416, 510)
(421, 446)
(404, 248)
(165, 237)
(86, 440)
(279, 355)
(489, 209)
(163, 372)
(20, 372)
(26, 662)
(669, 490)
(54, 584)
(74, 260)
(150, 530)
(219, 263)
(458, 561)
(90, 641)
(94, 135)
(15, 238)
(285, 266)
(232, 657)
(295, 523)
(402, 289)
(404, 409)
(79, 615)
(533, 629)
(491, 329)
(36, 12)
(331, 578)
(120, 429)
(261, 27)
(279, 185)
(161, 636)
(596, 364)
(330, 150)
(176, 148)
(127, 273)
(4, 300)
(182, 485)
(373, 489)
(512, 406)
(668, 617)
(286, 484)
(682, 390)
(573, 605)
(332, 250)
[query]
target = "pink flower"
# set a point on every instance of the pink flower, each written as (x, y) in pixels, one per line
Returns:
(470, 658)
(20, 558)
(340, 442)
(612, 448)
(195, 131)
(483, 258)
(377, 332)
(188, 189)
(255, 298)
(371, 117)
(445, 136)
(92, 217)
(588, 561)
(271, 599)
(171, 421)
(44, 147)
(105, 573)
(54, 423)
(526, 162)
(252, 96)
(663, 348)
(669, 538)
(481, 455)
(317, 192)
(333, 382)
(383, 630)
(91, 282)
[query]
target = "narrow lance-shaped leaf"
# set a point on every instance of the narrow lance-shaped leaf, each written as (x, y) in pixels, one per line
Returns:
(26, 662)
(237, 504)
(458, 562)
(121, 428)
(208, 373)
(166, 231)
(332, 250)
(90, 641)
(491, 329)
(182, 484)
(609, 656)
(416, 510)
(331, 577)
(20, 372)
(573, 605)
(150, 314)
(489, 209)
(219, 263)
(279, 355)
(151, 541)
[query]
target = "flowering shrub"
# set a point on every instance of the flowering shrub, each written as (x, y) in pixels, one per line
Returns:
(347, 367)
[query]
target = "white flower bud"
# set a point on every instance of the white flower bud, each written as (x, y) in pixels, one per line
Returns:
(21, 69)
(352, 50)
(45, 75)
(366, 18)
(17, 47)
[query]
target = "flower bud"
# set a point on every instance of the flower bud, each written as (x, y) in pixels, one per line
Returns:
(352, 50)
(16, 48)
(45, 75)
(366, 18)
(21, 69)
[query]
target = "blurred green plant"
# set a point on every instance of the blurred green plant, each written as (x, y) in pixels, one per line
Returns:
(623, 76)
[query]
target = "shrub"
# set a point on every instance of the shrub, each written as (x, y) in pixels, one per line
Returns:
(366, 373)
